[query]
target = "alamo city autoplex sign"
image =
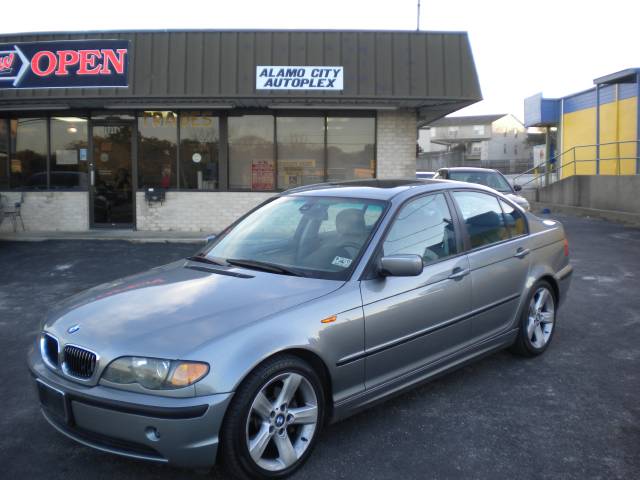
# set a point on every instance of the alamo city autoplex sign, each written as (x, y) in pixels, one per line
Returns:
(299, 78)
(64, 64)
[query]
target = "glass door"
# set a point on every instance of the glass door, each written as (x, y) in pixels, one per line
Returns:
(111, 176)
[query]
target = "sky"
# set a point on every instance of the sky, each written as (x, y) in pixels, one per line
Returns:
(520, 47)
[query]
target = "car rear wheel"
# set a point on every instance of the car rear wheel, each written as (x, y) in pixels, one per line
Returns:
(537, 321)
(274, 420)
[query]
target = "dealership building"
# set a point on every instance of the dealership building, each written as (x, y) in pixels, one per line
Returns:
(187, 130)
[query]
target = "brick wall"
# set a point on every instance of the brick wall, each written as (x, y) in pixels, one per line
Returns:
(396, 136)
(195, 211)
(51, 211)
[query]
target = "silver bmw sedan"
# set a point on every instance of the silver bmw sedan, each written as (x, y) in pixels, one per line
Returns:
(318, 303)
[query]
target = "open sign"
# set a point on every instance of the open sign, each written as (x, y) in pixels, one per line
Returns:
(65, 64)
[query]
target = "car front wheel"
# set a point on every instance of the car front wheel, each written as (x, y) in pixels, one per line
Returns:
(274, 420)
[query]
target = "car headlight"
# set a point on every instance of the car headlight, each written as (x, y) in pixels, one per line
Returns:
(155, 373)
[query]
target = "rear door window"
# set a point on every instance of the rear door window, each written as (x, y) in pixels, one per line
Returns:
(483, 218)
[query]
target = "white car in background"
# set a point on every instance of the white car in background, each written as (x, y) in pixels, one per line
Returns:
(487, 177)
(425, 175)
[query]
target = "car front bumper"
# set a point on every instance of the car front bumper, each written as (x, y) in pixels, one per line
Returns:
(179, 431)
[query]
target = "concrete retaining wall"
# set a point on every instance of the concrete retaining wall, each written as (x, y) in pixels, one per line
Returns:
(602, 192)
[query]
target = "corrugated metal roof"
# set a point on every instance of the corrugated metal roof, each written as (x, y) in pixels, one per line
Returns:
(394, 69)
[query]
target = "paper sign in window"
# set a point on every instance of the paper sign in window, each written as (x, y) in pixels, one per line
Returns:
(66, 157)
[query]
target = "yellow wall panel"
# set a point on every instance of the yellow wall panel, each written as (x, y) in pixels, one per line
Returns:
(618, 123)
(579, 129)
(628, 118)
(609, 134)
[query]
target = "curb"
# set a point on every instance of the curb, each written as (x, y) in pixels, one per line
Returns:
(627, 218)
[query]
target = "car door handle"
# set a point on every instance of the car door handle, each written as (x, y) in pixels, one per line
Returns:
(458, 273)
(522, 252)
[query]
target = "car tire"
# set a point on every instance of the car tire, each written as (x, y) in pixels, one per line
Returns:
(250, 422)
(537, 321)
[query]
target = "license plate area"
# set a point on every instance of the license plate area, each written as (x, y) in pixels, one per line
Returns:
(53, 401)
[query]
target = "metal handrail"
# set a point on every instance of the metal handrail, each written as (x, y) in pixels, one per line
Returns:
(539, 166)
(556, 165)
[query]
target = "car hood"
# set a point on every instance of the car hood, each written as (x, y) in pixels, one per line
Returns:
(169, 311)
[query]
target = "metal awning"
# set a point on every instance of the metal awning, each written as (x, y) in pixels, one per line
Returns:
(432, 72)
(629, 75)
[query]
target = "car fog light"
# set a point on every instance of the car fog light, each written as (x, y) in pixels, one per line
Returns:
(152, 434)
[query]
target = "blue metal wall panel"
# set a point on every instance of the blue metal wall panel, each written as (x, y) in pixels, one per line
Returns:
(628, 90)
(587, 99)
(580, 101)
(540, 111)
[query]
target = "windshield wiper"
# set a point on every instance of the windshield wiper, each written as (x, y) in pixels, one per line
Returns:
(203, 259)
(264, 266)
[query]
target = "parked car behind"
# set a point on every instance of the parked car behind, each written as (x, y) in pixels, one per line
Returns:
(316, 304)
(425, 175)
(485, 176)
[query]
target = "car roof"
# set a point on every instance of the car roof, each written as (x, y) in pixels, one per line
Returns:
(378, 189)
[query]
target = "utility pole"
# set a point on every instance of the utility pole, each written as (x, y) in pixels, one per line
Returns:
(418, 24)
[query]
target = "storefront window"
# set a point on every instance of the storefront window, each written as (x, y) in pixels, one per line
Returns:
(4, 153)
(199, 137)
(28, 162)
(157, 149)
(251, 155)
(69, 142)
(350, 148)
(300, 151)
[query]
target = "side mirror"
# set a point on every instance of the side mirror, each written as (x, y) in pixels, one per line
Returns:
(517, 188)
(209, 238)
(401, 266)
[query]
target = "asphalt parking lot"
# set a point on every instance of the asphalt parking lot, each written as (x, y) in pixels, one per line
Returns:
(572, 413)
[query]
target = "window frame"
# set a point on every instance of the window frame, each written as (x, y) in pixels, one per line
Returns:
(463, 226)
(199, 113)
(325, 114)
(12, 150)
(50, 153)
(93, 117)
(370, 272)
(7, 161)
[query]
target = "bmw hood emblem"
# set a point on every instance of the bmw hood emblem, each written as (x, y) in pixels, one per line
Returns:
(73, 329)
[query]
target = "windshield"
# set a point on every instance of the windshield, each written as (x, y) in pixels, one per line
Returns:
(318, 237)
(489, 179)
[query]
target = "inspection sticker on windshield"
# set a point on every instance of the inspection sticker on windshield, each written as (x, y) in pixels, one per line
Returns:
(341, 262)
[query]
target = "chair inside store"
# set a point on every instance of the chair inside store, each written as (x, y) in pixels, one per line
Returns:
(10, 207)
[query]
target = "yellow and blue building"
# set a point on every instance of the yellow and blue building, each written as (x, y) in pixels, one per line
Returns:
(598, 130)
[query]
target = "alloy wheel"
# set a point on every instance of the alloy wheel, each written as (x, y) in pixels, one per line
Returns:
(282, 421)
(541, 318)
